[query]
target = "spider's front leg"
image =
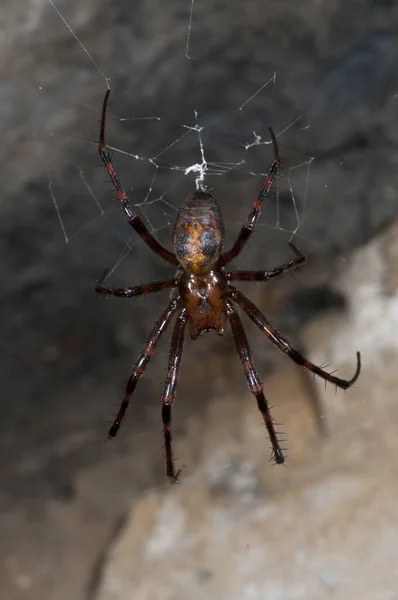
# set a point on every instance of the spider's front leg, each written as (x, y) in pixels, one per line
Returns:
(284, 345)
(169, 393)
(253, 379)
(143, 360)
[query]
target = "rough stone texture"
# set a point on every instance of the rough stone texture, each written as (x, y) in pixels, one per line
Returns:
(65, 353)
(325, 526)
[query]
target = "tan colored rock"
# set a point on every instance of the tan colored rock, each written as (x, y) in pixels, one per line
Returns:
(327, 525)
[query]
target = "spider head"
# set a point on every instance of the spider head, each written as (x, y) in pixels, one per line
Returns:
(198, 233)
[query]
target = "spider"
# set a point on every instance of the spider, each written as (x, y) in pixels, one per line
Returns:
(203, 297)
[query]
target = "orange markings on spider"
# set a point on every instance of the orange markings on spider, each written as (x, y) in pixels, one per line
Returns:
(198, 233)
(202, 296)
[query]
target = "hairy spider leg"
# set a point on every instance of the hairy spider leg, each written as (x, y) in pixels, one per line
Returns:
(254, 214)
(137, 290)
(253, 379)
(133, 219)
(170, 387)
(266, 275)
(143, 360)
(282, 343)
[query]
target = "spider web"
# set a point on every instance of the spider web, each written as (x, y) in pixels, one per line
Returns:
(183, 161)
(199, 137)
(163, 150)
(194, 88)
(168, 140)
(186, 125)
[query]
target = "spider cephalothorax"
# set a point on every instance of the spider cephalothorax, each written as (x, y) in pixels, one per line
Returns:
(203, 296)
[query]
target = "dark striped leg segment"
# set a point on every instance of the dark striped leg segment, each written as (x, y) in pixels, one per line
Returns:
(138, 290)
(284, 345)
(252, 219)
(143, 360)
(253, 379)
(169, 392)
(266, 275)
(133, 219)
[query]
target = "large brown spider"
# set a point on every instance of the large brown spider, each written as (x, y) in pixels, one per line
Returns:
(204, 297)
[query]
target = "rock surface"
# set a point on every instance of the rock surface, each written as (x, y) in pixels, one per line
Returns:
(66, 354)
(328, 524)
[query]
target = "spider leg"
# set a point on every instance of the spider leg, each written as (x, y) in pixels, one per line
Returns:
(284, 345)
(138, 290)
(253, 379)
(265, 275)
(248, 227)
(143, 360)
(133, 219)
(169, 392)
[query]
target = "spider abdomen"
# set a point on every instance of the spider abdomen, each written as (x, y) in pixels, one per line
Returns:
(198, 233)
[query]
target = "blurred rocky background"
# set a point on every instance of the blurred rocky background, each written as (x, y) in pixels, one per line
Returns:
(82, 518)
